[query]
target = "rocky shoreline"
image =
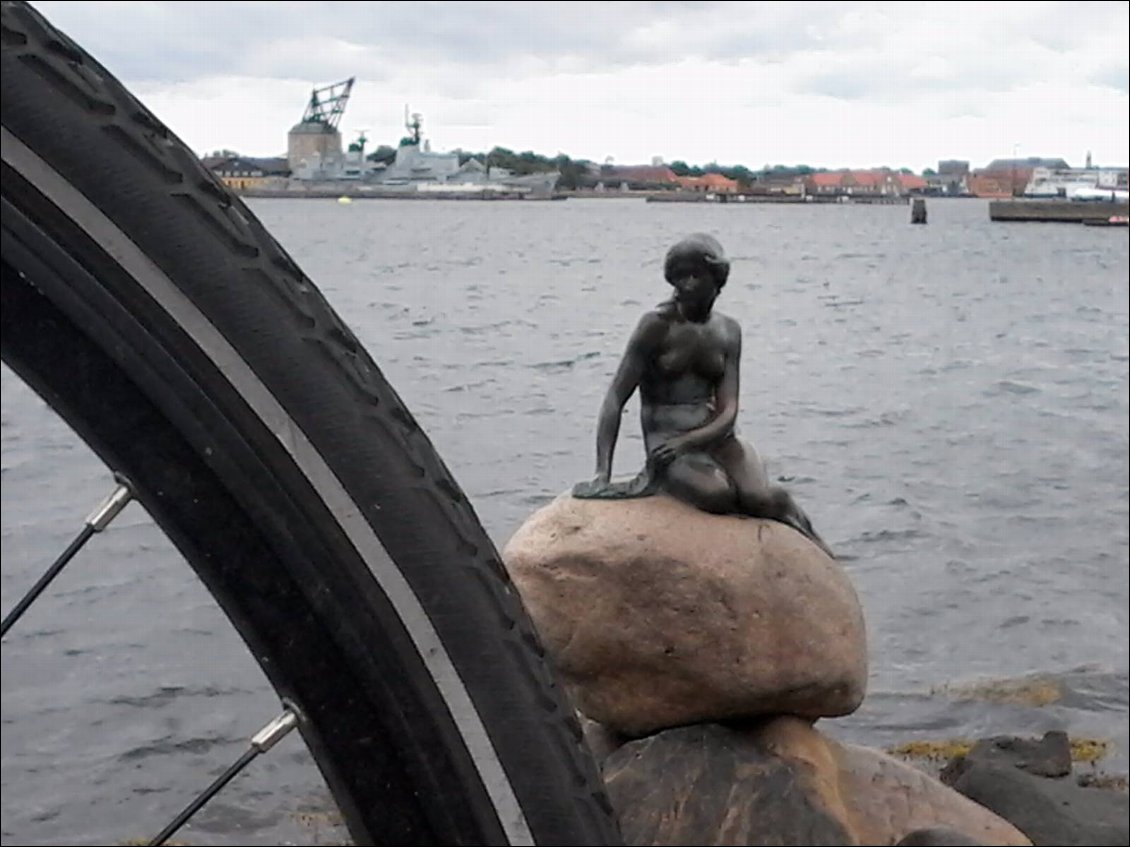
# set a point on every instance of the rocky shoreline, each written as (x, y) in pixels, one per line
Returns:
(706, 654)
(778, 781)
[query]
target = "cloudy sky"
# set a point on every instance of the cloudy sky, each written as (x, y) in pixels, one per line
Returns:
(819, 83)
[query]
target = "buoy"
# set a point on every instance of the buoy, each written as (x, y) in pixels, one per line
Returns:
(918, 211)
(344, 200)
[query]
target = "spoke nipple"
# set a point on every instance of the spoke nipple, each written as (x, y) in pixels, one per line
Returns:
(275, 731)
(100, 518)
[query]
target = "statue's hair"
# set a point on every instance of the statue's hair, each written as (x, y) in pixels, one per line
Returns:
(704, 248)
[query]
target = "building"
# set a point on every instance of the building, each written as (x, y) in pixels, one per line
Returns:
(912, 184)
(875, 183)
(313, 151)
(1008, 177)
(242, 173)
(1117, 178)
(710, 183)
(951, 180)
(313, 145)
(953, 167)
(637, 177)
(784, 182)
(1067, 182)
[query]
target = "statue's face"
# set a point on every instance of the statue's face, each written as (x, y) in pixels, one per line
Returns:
(695, 288)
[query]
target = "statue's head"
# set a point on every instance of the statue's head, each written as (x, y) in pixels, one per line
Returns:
(697, 267)
(698, 249)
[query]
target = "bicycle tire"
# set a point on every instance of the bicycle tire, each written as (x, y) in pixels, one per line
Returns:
(154, 313)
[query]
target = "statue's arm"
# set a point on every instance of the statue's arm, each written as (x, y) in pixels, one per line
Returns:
(628, 375)
(726, 409)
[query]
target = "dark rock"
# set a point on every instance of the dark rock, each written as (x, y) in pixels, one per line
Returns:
(937, 836)
(711, 785)
(781, 781)
(601, 740)
(1049, 811)
(1111, 781)
(1050, 756)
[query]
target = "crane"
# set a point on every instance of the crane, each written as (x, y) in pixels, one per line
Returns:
(328, 103)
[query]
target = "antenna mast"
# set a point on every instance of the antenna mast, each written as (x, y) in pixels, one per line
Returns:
(414, 125)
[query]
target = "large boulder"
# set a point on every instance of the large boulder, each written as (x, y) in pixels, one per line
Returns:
(783, 782)
(658, 614)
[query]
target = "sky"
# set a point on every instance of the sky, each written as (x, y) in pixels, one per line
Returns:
(827, 84)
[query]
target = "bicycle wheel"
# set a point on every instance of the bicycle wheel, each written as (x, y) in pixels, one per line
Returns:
(153, 311)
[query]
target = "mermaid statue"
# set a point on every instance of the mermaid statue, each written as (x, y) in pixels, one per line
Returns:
(684, 357)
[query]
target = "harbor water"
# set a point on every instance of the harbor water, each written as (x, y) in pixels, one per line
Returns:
(948, 403)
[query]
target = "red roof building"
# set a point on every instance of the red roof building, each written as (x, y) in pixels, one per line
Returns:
(639, 175)
(911, 184)
(863, 183)
(709, 183)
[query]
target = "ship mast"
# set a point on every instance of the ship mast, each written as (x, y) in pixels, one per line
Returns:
(413, 125)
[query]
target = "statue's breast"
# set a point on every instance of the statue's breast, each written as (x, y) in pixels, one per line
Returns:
(691, 351)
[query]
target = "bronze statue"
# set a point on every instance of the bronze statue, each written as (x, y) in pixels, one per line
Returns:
(684, 357)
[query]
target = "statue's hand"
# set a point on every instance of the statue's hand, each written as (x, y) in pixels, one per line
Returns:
(668, 451)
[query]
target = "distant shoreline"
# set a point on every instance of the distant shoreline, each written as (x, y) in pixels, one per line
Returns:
(352, 192)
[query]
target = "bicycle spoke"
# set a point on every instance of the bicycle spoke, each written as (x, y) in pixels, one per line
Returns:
(97, 521)
(261, 742)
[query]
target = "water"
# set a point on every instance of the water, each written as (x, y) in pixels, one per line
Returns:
(948, 402)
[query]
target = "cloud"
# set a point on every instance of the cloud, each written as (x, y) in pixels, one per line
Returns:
(155, 41)
(1116, 77)
(734, 82)
(873, 44)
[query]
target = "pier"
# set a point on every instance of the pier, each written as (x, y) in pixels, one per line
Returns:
(1056, 211)
(783, 199)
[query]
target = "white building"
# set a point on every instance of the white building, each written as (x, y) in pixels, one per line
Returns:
(1069, 183)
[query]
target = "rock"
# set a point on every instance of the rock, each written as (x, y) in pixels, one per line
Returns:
(937, 836)
(890, 799)
(1050, 756)
(999, 774)
(601, 740)
(781, 782)
(658, 614)
(707, 784)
